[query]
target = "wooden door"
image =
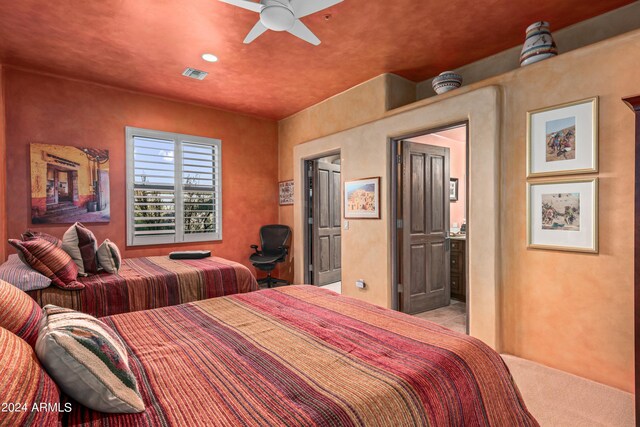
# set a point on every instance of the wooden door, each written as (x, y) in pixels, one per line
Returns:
(425, 228)
(326, 223)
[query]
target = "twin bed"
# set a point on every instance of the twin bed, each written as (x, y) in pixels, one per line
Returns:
(207, 350)
(152, 282)
(300, 355)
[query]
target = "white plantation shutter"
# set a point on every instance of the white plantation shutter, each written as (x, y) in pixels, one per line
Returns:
(154, 195)
(173, 188)
(199, 189)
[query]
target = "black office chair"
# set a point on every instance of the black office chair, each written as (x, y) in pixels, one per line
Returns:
(274, 250)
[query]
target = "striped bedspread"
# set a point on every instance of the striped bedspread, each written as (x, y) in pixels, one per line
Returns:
(302, 356)
(146, 283)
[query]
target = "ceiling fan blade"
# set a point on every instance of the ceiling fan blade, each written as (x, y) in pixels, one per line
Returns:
(303, 8)
(245, 4)
(302, 31)
(256, 31)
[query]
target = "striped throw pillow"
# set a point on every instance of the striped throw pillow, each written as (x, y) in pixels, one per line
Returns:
(19, 313)
(29, 395)
(22, 276)
(30, 235)
(49, 260)
(88, 360)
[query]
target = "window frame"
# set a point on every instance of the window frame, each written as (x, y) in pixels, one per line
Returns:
(179, 236)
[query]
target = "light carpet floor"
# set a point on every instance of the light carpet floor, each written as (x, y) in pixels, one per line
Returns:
(452, 316)
(335, 287)
(559, 399)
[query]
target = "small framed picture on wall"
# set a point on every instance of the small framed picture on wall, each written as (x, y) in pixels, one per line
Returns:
(453, 189)
(286, 192)
(563, 215)
(563, 139)
(362, 198)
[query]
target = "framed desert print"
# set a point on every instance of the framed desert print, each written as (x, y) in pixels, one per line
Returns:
(453, 189)
(362, 198)
(286, 192)
(563, 139)
(563, 215)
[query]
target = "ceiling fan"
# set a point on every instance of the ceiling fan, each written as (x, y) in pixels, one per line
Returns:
(283, 15)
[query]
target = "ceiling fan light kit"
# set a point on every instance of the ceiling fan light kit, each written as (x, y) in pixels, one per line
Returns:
(277, 17)
(283, 15)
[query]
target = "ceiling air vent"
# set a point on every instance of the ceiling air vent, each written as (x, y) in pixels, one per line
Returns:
(195, 74)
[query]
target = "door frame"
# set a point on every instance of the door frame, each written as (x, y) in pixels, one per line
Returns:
(394, 184)
(633, 102)
(307, 207)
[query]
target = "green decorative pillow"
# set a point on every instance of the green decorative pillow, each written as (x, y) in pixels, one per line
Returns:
(88, 360)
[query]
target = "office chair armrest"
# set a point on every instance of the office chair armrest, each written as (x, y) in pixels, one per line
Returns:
(285, 249)
(255, 248)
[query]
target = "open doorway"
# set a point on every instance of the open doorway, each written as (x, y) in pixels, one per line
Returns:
(430, 173)
(323, 238)
(62, 185)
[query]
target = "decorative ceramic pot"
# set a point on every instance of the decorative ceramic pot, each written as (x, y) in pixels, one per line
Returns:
(446, 81)
(538, 45)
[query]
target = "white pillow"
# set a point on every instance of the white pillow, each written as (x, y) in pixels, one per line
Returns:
(109, 257)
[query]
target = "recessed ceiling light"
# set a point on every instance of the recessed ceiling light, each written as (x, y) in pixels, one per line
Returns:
(209, 57)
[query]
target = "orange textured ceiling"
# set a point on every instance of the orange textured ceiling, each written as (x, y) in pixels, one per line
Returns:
(145, 45)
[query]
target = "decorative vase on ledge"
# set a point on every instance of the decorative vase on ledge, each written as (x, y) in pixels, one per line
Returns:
(446, 81)
(538, 45)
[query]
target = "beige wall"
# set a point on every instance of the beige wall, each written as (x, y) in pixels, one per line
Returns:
(363, 103)
(567, 310)
(596, 29)
(366, 244)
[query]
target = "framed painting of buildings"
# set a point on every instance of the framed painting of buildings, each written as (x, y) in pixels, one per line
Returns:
(563, 139)
(563, 215)
(362, 198)
(69, 184)
(286, 192)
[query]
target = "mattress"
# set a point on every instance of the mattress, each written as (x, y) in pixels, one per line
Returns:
(301, 355)
(152, 282)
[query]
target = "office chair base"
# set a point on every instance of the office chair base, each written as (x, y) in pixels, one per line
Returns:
(271, 281)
